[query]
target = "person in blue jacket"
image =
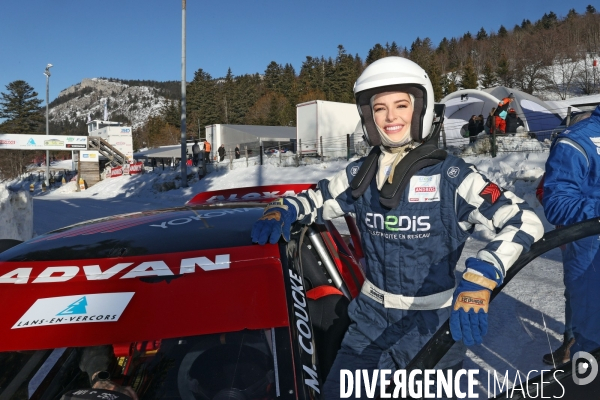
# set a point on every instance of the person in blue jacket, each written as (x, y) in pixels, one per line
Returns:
(412, 246)
(572, 194)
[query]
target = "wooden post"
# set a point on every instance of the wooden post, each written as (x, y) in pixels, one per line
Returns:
(230, 160)
(260, 149)
(347, 146)
(321, 140)
(300, 149)
(246, 151)
(493, 136)
(279, 148)
(568, 117)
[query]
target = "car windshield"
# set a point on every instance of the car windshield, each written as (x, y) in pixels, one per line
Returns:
(249, 364)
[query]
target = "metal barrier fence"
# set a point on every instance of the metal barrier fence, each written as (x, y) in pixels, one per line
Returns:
(288, 154)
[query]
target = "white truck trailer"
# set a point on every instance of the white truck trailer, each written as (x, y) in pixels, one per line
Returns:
(322, 127)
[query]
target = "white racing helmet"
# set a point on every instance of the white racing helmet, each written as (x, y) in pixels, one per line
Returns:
(395, 74)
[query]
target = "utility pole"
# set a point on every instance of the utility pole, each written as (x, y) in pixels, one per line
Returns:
(47, 73)
(183, 115)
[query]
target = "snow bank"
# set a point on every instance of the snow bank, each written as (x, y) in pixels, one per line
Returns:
(16, 214)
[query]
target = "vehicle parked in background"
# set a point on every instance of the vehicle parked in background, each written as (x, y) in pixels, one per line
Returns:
(324, 125)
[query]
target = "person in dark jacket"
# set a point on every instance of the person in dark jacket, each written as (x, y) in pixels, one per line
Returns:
(195, 153)
(221, 152)
(414, 246)
(237, 151)
(489, 121)
(473, 127)
(513, 121)
(480, 124)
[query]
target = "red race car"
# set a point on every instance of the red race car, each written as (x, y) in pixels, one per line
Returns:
(187, 307)
(190, 307)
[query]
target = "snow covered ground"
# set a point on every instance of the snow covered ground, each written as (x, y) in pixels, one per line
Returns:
(517, 338)
(16, 214)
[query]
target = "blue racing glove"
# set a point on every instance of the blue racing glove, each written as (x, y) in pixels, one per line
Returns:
(277, 220)
(468, 321)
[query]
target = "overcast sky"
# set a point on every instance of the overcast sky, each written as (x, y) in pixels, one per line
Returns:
(135, 39)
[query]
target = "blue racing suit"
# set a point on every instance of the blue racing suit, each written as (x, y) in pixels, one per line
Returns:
(411, 253)
(572, 194)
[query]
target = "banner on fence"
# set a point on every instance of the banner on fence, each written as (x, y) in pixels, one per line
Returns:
(42, 142)
(116, 171)
(135, 168)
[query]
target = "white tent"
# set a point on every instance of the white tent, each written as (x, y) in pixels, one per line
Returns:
(537, 115)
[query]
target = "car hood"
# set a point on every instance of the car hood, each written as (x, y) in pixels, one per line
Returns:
(172, 230)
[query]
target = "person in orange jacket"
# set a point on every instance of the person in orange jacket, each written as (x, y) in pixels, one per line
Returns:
(501, 112)
(206, 151)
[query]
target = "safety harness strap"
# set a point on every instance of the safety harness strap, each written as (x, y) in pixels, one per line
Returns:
(390, 300)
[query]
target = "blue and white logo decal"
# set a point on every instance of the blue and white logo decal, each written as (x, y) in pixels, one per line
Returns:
(77, 307)
(453, 172)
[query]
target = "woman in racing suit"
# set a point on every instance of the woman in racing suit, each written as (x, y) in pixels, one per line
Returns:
(411, 247)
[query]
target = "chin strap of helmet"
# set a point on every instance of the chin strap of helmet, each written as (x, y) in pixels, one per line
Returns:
(425, 155)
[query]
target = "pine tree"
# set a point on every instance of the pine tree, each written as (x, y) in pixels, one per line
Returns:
(248, 89)
(503, 72)
(273, 77)
(482, 34)
(393, 50)
(228, 88)
(469, 76)
(502, 32)
(343, 77)
(590, 9)
(436, 81)
(312, 76)
(375, 53)
(421, 52)
(21, 108)
(204, 99)
(489, 76)
(171, 113)
(442, 48)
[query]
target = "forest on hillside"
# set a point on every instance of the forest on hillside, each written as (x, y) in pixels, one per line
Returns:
(551, 55)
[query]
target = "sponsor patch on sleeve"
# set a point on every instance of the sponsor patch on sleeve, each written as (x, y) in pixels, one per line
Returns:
(491, 193)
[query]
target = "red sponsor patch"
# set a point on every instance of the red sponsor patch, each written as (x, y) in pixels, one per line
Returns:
(425, 189)
(491, 193)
